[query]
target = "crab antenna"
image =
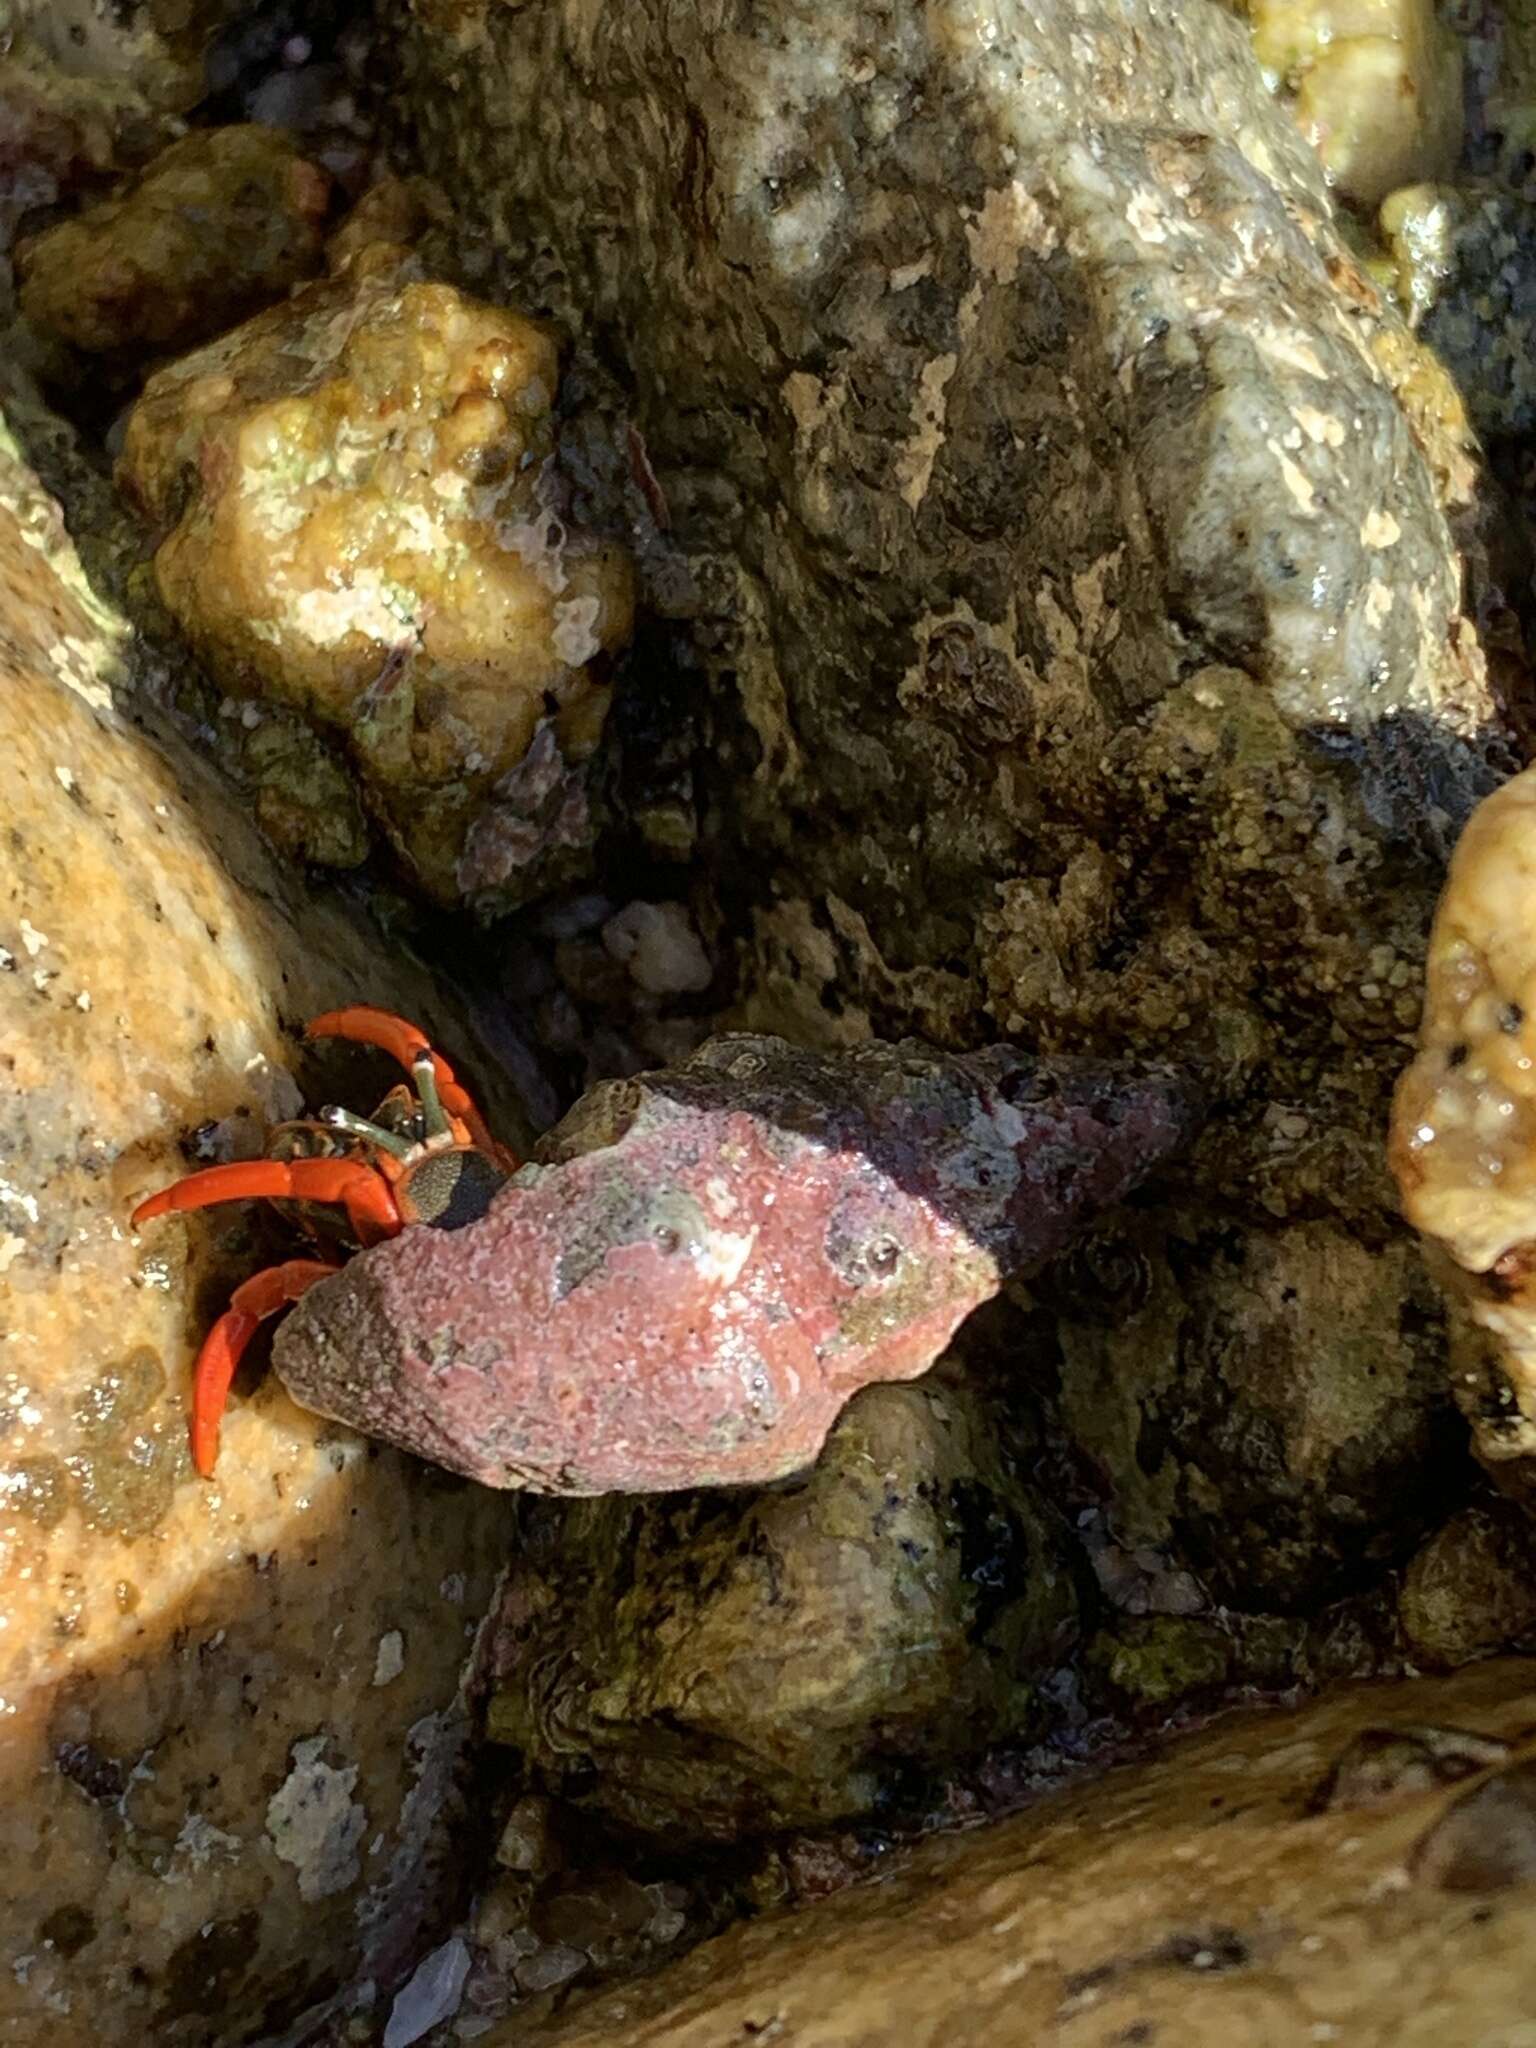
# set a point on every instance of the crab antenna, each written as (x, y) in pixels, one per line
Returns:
(434, 1117)
(360, 1127)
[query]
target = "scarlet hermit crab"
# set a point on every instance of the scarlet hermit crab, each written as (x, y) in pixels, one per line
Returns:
(697, 1269)
(425, 1156)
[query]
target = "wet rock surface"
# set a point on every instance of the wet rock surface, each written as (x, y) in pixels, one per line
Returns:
(1464, 1120)
(1202, 1897)
(1060, 529)
(1049, 542)
(221, 1797)
(1376, 88)
(350, 496)
(221, 223)
(705, 1263)
(720, 1667)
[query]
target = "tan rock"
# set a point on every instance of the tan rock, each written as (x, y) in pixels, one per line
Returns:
(1195, 1899)
(1464, 1114)
(221, 223)
(1378, 86)
(353, 495)
(207, 1803)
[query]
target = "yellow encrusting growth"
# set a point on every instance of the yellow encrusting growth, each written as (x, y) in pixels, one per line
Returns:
(1463, 1144)
(1377, 87)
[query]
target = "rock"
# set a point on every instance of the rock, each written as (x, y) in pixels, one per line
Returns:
(432, 1995)
(1189, 1898)
(1273, 1405)
(720, 1666)
(659, 946)
(1463, 1144)
(55, 136)
(154, 50)
(1395, 1763)
(1486, 1841)
(216, 1810)
(1377, 87)
(404, 430)
(1059, 527)
(526, 1842)
(1471, 1588)
(1149, 1663)
(219, 225)
(705, 1263)
(1502, 73)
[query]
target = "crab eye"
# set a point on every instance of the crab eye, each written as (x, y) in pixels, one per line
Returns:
(883, 1257)
(666, 1239)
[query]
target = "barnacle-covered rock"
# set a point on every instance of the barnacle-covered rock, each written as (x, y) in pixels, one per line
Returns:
(229, 1712)
(357, 520)
(221, 223)
(706, 1263)
(1464, 1117)
(718, 1666)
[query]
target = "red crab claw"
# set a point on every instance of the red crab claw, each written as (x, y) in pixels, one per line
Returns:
(361, 1190)
(407, 1043)
(224, 1346)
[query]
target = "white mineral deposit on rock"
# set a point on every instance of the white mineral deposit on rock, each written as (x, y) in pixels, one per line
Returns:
(313, 1822)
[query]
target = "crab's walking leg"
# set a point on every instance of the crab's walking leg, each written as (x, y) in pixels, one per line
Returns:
(361, 1190)
(224, 1346)
(407, 1043)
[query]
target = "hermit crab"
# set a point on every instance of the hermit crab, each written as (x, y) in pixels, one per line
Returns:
(425, 1156)
(697, 1268)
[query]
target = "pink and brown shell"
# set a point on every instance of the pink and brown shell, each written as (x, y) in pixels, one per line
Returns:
(704, 1264)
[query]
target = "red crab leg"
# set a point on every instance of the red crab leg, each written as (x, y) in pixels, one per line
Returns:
(406, 1042)
(361, 1190)
(224, 1346)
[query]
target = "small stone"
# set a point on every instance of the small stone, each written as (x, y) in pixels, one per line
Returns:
(527, 1839)
(1471, 1588)
(218, 225)
(1383, 1764)
(657, 942)
(1486, 1840)
(432, 1994)
(550, 1966)
(436, 659)
(390, 1660)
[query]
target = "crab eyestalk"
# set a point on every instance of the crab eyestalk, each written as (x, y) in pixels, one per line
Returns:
(370, 1133)
(434, 1118)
